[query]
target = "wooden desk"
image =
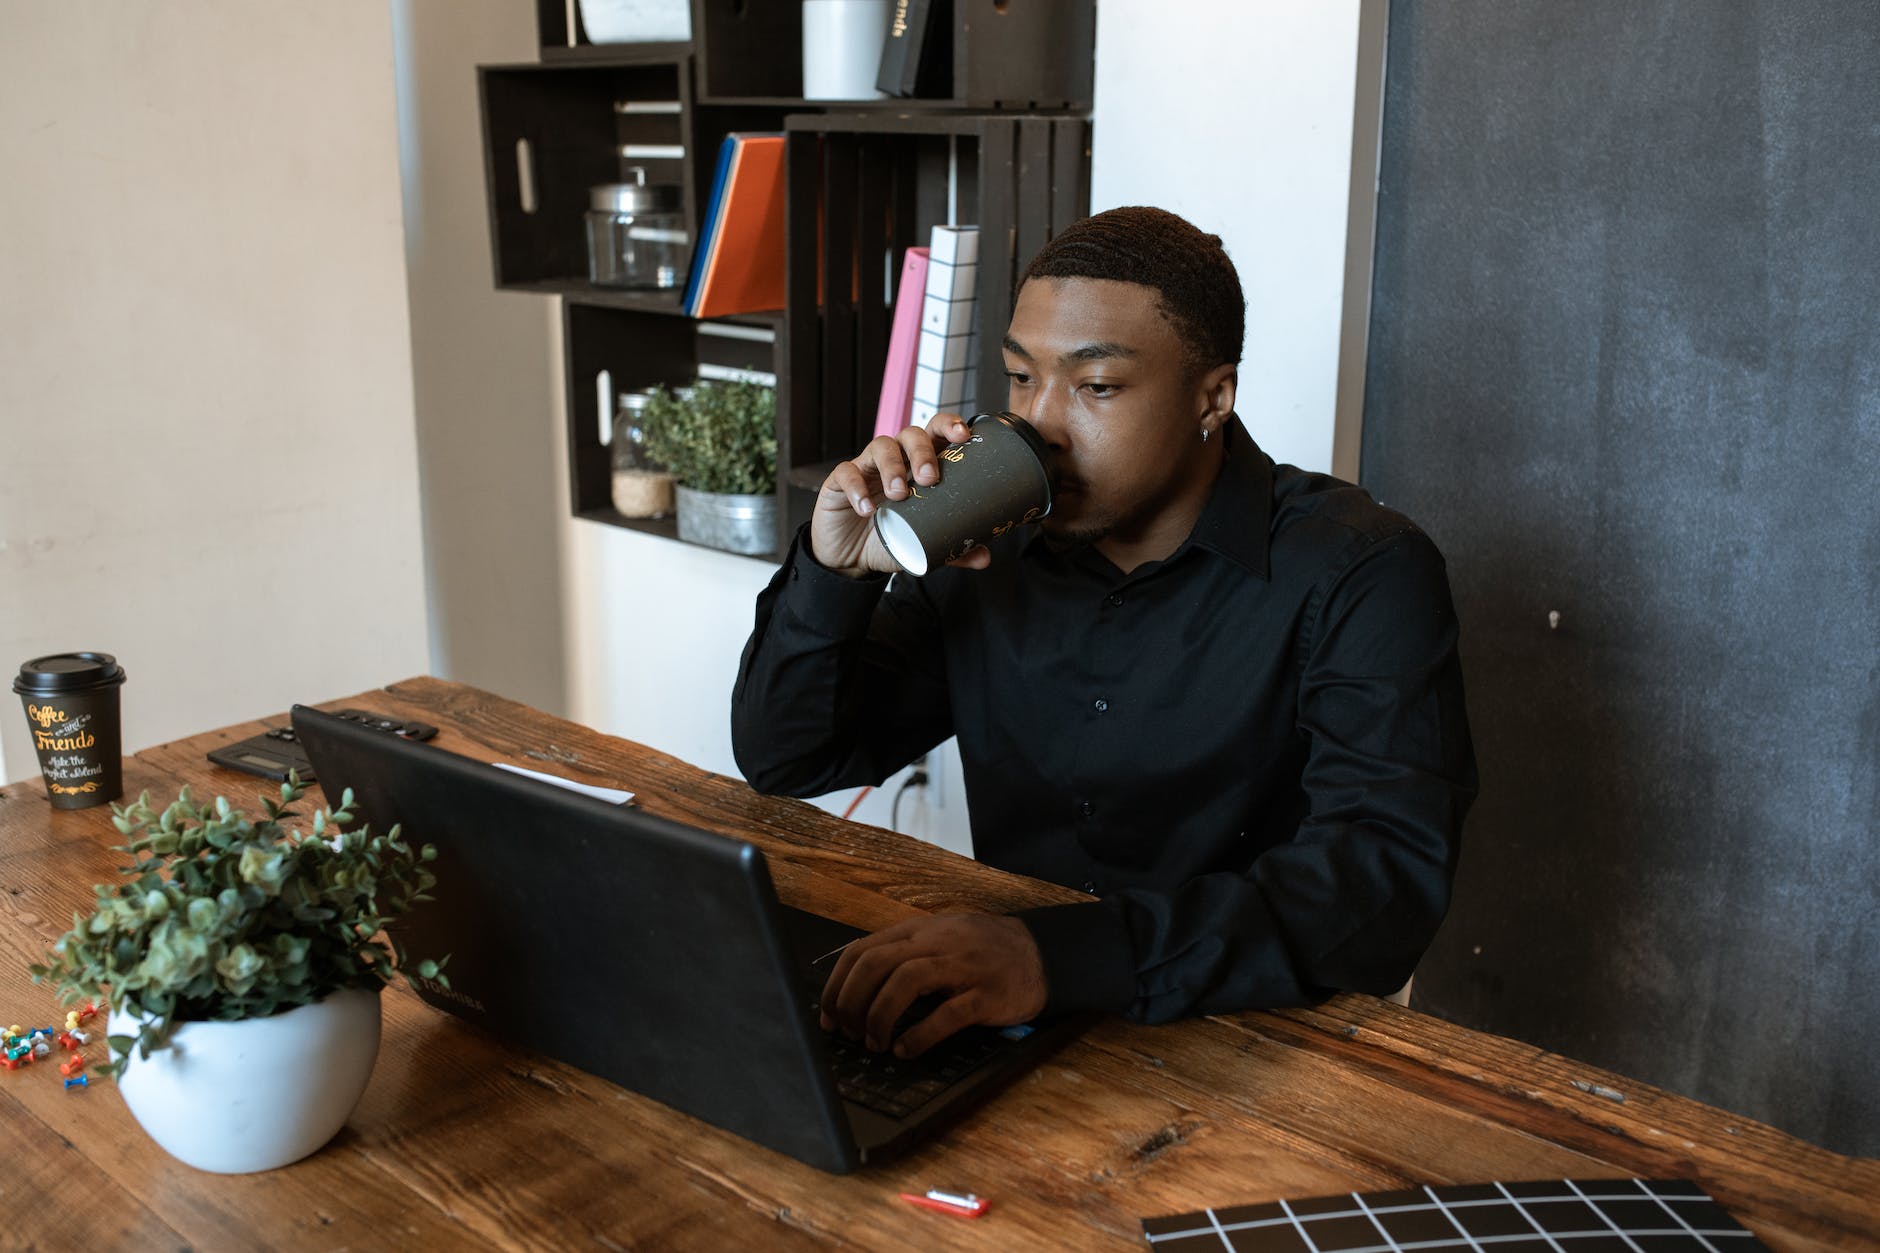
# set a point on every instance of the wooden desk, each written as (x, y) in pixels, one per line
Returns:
(460, 1140)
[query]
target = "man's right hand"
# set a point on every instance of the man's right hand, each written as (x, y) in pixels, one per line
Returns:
(842, 528)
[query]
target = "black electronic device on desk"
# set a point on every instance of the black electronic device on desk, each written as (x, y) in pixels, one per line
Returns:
(273, 753)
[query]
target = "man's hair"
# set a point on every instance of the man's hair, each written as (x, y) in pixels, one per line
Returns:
(1197, 287)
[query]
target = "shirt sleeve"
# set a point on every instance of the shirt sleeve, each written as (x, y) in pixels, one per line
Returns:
(1355, 897)
(842, 682)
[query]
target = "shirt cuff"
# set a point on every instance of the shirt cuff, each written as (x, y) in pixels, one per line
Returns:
(830, 605)
(1089, 962)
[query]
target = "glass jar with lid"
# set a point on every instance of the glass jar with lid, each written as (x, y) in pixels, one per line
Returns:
(641, 487)
(636, 234)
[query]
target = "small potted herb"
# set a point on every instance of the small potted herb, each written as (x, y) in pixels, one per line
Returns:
(720, 440)
(242, 964)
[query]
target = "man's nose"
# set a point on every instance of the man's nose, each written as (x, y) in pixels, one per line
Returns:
(1046, 415)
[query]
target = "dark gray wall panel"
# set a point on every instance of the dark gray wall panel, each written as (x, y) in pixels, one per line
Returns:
(1625, 367)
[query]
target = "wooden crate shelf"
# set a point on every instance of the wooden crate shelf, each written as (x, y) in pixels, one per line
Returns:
(1003, 143)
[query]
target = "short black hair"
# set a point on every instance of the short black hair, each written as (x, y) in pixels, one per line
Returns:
(1197, 285)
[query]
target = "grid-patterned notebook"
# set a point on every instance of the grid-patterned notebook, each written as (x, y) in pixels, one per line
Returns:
(1561, 1216)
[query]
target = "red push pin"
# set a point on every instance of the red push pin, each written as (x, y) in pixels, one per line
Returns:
(14, 1063)
(66, 1041)
(89, 1012)
(74, 1066)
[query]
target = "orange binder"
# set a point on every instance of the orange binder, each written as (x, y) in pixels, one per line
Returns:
(740, 266)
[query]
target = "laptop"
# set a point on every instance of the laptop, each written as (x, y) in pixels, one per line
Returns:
(650, 953)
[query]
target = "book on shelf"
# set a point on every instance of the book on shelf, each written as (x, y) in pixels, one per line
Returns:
(917, 53)
(897, 378)
(945, 365)
(738, 265)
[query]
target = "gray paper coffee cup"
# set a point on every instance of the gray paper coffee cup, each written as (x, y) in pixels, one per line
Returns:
(1000, 477)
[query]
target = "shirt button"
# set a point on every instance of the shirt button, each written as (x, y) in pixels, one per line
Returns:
(1102, 706)
(1086, 809)
(1090, 887)
(1116, 598)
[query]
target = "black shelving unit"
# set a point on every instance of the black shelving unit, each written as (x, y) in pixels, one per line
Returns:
(1004, 143)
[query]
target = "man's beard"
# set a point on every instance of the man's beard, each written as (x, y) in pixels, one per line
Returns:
(1065, 536)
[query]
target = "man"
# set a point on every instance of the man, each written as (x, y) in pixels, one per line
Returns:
(1220, 695)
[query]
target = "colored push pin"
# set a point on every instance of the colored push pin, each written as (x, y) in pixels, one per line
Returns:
(949, 1201)
(66, 1041)
(80, 1036)
(83, 1081)
(14, 1062)
(73, 1066)
(85, 1014)
(71, 1020)
(16, 1031)
(41, 1048)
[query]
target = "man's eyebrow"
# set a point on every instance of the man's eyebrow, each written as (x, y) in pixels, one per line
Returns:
(1099, 351)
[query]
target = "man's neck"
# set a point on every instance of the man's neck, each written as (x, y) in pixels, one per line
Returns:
(1155, 538)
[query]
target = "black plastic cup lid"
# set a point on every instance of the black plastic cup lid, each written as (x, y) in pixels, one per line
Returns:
(67, 672)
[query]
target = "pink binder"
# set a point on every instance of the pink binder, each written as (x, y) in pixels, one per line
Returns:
(897, 380)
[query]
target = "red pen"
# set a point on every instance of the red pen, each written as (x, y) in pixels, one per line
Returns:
(959, 1204)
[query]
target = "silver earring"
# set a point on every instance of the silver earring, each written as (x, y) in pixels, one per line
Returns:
(1204, 434)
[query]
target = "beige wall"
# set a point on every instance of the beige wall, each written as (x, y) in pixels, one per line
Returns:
(207, 458)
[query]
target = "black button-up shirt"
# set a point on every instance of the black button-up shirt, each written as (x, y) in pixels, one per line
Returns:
(1253, 752)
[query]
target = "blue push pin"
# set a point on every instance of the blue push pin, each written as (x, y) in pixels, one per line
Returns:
(83, 1081)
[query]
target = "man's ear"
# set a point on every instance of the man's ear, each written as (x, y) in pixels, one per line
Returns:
(1214, 395)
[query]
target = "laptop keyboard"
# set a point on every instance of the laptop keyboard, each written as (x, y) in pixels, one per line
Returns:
(882, 1082)
(897, 1087)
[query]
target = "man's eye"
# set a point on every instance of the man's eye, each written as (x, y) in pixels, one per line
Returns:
(1018, 376)
(1101, 390)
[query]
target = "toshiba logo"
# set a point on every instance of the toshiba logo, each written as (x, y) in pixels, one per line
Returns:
(450, 994)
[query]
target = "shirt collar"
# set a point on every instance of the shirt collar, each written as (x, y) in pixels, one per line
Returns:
(1238, 515)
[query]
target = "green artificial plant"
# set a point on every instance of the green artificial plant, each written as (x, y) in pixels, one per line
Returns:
(226, 919)
(715, 436)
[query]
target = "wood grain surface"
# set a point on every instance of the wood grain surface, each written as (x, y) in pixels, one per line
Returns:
(462, 1141)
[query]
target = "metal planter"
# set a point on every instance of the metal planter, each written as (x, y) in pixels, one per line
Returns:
(736, 524)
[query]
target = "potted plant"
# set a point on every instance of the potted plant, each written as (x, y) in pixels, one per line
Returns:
(720, 440)
(242, 968)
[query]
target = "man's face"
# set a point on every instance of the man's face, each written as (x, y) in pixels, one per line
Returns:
(1101, 373)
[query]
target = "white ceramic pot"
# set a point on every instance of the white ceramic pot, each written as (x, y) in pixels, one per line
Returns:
(842, 48)
(237, 1097)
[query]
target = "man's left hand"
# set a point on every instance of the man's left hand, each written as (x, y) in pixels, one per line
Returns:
(987, 964)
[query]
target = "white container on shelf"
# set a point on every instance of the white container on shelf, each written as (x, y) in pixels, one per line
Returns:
(636, 21)
(842, 41)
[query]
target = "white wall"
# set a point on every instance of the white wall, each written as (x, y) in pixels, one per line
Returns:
(1235, 113)
(484, 371)
(207, 462)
